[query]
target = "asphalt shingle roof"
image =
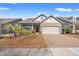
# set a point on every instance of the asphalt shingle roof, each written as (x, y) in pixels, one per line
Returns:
(29, 20)
(32, 20)
(65, 21)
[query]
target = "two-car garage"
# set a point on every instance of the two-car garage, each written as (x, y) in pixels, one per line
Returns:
(51, 26)
(51, 30)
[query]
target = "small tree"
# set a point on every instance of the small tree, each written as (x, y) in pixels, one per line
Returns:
(12, 28)
(16, 30)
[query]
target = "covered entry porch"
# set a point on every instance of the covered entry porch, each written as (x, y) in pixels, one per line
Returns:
(33, 27)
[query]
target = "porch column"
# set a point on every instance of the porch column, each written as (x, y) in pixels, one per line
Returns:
(74, 28)
(74, 20)
(0, 29)
(32, 27)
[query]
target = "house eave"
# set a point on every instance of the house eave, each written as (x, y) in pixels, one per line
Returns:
(29, 23)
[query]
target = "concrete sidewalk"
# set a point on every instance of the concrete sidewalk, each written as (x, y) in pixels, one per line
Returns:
(39, 51)
(25, 52)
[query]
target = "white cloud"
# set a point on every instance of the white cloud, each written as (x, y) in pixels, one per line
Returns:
(76, 9)
(64, 9)
(3, 8)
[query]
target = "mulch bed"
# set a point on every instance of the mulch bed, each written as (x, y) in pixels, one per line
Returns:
(28, 41)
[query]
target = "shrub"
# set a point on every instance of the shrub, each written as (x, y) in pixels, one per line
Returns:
(23, 32)
(68, 30)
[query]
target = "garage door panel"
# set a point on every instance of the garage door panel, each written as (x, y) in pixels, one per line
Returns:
(50, 30)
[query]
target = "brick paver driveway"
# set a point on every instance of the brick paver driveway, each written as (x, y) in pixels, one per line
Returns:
(61, 41)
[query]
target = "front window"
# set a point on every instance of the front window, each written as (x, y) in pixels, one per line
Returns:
(28, 27)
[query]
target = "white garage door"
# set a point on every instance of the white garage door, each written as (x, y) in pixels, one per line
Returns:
(51, 30)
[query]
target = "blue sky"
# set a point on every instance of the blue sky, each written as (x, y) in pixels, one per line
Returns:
(26, 10)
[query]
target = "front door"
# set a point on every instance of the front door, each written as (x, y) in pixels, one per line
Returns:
(37, 29)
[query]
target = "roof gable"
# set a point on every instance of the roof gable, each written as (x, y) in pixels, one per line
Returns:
(52, 19)
(40, 18)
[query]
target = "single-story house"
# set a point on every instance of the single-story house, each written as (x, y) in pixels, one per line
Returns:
(46, 25)
(77, 26)
(6, 21)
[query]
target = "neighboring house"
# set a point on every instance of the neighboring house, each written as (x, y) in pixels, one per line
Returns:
(66, 22)
(75, 21)
(46, 25)
(77, 26)
(77, 18)
(6, 21)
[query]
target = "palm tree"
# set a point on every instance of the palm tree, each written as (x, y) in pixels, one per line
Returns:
(13, 28)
